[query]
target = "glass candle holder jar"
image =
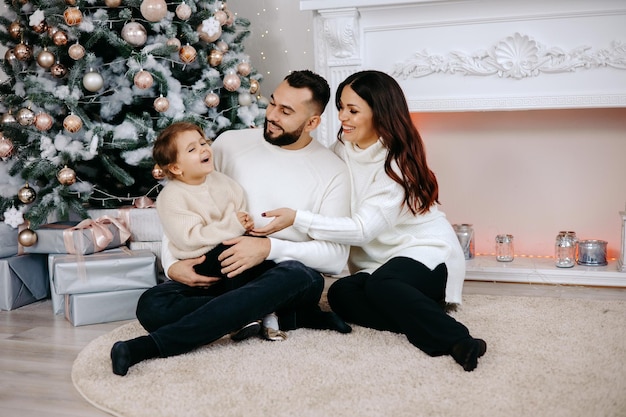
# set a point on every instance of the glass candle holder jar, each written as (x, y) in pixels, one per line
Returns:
(504, 248)
(565, 249)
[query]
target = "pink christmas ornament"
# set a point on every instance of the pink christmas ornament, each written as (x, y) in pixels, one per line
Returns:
(153, 10)
(143, 79)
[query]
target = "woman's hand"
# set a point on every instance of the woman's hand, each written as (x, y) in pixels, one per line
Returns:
(283, 217)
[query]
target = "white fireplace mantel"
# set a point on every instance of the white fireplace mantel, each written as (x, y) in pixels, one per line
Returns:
(476, 55)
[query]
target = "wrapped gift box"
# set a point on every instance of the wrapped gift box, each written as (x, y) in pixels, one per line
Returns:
(83, 238)
(101, 307)
(143, 223)
(23, 280)
(154, 247)
(109, 271)
(8, 240)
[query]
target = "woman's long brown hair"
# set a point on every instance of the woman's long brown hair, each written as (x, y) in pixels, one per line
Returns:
(392, 121)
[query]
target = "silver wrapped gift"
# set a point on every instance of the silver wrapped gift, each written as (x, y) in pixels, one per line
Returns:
(143, 223)
(8, 240)
(86, 237)
(112, 270)
(23, 280)
(101, 307)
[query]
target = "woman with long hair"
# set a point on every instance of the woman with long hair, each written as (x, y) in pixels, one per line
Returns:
(405, 260)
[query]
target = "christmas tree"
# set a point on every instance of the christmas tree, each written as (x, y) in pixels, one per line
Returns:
(90, 83)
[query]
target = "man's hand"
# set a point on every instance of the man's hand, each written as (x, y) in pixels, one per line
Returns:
(244, 253)
(283, 217)
(183, 272)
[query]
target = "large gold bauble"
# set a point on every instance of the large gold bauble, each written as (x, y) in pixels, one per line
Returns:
(23, 51)
(153, 10)
(27, 237)
(73, 16)
(60, 38)
(26, 194)
(113, 3)
(66, 176)
(175, 42)
(16, 30)
(9, 56)
(72, 123)
(41, 27)
(8, 118)
(215, 57)
(221, 17)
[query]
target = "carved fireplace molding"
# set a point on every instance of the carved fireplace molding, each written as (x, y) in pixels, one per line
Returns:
(476, 55)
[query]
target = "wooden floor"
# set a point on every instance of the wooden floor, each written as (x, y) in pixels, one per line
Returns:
(37, 350)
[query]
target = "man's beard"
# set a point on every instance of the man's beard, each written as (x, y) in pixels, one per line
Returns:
(287, 138)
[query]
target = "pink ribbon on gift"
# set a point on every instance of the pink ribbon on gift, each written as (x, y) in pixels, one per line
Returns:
(140, 203)
(101, 234)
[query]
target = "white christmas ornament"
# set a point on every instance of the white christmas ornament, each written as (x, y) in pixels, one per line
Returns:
(209, 30)
(93, 81)
(13, 217)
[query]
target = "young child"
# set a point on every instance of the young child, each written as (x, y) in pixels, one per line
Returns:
(199, 208)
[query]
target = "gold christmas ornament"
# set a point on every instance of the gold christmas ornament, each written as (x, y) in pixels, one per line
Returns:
(134, 33)
(161, 104)
(8, 118)
(9, 56)
(73, 16)
(187, 54)
(45, 59)
(41, 27)
(93, 81)
(215, 57)
(183, 11)
(212, 100)
(231, 82)
(16, 30)
(175, 42)
(70, 2)
(254, 86)
(72, 123)
(23, 51)
(25, 116)
(52, 30)
(26, 194)
(143, 79)
(244, 68)
(113, 3)
(43, 121)
(66, 176)
(153, 10)
(27, 237)
(6, 147)
(231, 17)
(157, 173)
(58, 70)
(76, 51)
(60, 38)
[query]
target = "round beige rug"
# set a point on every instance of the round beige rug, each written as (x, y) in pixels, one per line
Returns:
(546, 357)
